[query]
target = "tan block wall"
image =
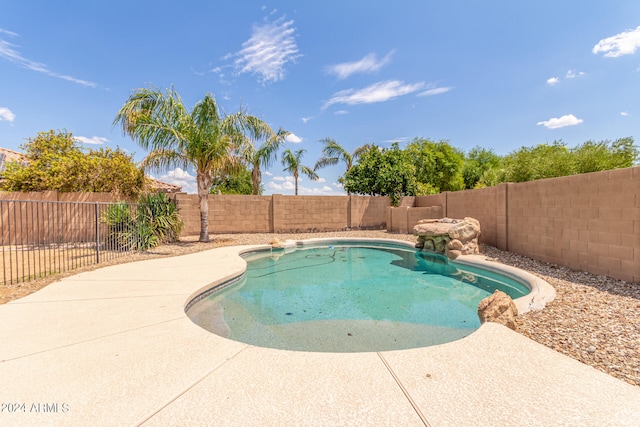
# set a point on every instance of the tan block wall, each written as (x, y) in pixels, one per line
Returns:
(480, 204)
(587, 222)
(310, 213)
(402, 219)
(189, 209)
(239, 214)
(36, 223)
(368, 212)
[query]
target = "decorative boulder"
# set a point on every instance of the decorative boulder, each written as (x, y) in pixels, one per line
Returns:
(498, 308)
(447, 236)
(276, 243)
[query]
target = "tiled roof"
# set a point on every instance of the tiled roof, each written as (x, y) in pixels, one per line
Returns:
(165, 187)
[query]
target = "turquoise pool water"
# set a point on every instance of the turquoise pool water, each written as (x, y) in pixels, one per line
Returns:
(349, 297)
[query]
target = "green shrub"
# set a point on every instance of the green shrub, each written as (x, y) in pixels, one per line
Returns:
(153, 221)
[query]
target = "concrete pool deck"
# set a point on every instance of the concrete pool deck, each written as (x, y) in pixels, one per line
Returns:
(114, 346)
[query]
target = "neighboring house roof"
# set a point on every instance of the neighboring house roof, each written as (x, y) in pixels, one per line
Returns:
(164, 187)
(7, 155)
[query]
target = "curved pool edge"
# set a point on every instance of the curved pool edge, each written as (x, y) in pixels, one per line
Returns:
(541, 291)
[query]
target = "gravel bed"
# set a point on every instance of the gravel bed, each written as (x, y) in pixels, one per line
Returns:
(593, 319)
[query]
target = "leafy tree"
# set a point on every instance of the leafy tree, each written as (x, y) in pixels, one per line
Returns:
(56, 162)
(158, 121)
(236, 183)
(541, 161)
(292, 162)
(477, 163)
(383, 172)
(438, 164)
(604, 155)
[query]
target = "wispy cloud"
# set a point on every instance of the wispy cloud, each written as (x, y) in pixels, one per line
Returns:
(269, 49)
(560, 122)
(9, 52)
(435, 91)
(378, 92)
(306, 119)
(368, 64)
(625, 43)
(552, 81)
(94, 140)
(624, 113)
(341, 112)
(6, 115)
(292, 137)
(572, 74)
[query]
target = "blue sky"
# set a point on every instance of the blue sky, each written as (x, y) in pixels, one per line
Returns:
(495, 74)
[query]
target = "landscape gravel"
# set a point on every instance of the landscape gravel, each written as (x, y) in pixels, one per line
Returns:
(593, 319)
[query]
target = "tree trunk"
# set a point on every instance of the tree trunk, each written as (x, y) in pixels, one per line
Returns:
(295, 176)
(204, 183)
(256, 179)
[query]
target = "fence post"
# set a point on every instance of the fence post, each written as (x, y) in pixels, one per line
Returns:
(97, 233)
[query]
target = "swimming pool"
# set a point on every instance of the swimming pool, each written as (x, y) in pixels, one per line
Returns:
(349, 296)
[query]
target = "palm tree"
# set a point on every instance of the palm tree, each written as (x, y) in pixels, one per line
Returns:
(158, 121)
(333, 153)
(254, 130)
(292, 164)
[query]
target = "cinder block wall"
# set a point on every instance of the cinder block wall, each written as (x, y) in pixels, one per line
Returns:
(368, 212)
(310, 213)
(588, 222)
(43, 223)
(481, 204)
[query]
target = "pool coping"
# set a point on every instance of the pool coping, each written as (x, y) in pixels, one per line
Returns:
(114, 346)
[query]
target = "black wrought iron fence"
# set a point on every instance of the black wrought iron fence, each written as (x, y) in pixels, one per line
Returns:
(40, 238)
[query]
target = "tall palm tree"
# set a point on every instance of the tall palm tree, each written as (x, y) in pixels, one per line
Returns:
(332, 153)
(292, 162)
(159, 122)
(255, 130)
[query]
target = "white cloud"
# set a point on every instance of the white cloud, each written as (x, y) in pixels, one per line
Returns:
(552, 80)
(273, 186)
(288, 185)
(321, 180)
(624, 113)
(268, 173)
(435, 91)
(292, 137)
(95, 140)
(325, 190)
(306, 119)
(377, 92)
(341, 112)
(278, 178)
(400, 139)
(9, 52)
(271, 47)
(625, 43)
(6, 115)
(571, 74)
(182, 178)
(560, 122)
(368, 64)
